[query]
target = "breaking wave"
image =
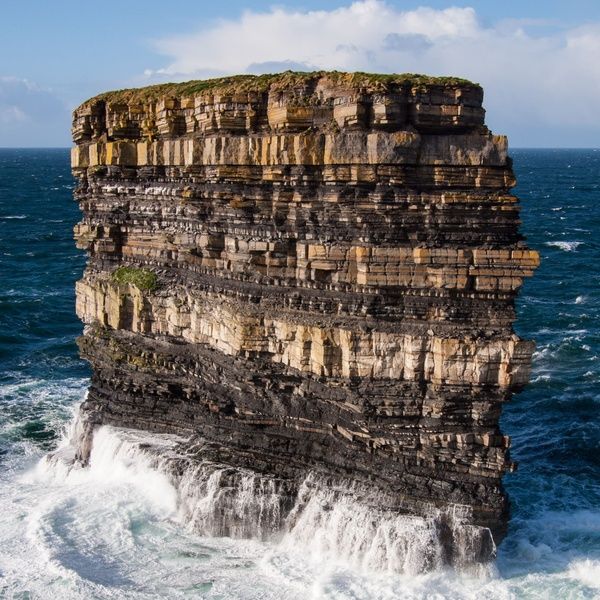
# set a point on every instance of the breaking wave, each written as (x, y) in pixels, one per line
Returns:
(566, 246)
(218, 500)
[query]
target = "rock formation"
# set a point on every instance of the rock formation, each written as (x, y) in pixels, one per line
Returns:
(309, 277)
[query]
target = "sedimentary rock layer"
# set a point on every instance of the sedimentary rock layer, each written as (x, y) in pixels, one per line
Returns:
(317, 274)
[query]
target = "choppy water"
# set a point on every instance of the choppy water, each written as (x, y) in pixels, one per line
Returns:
(114, 531)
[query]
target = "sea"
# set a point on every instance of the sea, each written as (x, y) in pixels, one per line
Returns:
(114, 530)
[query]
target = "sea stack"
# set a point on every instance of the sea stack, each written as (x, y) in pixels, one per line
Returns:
(309, 277)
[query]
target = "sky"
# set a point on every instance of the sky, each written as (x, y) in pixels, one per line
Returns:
(538, 61)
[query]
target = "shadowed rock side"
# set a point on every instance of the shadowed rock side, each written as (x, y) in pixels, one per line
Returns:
(316, 282)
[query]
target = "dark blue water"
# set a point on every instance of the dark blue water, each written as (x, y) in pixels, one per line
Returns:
(40, 372)
(553, 548)
(554, 424)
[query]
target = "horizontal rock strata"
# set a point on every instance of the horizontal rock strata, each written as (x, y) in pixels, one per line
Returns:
(329, 266)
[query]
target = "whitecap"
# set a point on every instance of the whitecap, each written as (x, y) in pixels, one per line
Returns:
(585, 571)
(541, 378)
(116, 460)
(566, 246)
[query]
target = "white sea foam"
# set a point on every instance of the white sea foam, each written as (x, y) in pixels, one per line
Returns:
(539, 378)
(109, 531)
(113, 530)
(218, 500)
(566, 246)
(586, 571)
(331, 526)
(116, 460)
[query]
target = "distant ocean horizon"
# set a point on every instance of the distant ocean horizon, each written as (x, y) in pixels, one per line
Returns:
(109, 534)
(510, 147)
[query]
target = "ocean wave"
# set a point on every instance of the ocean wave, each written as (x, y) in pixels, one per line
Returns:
(222, 501)
(551, 542)
(585, 571)
(113, 530)
(110, 531)
(34, 389)
(539, 378)
(566, 246)
(122, 487)
(36, 411)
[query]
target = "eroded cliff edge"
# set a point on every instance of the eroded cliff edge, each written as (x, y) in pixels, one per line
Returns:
(308, 274)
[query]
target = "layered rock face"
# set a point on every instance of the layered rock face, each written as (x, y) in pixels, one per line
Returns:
(307, 274)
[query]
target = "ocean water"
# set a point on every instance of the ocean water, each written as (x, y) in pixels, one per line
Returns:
(116, 531)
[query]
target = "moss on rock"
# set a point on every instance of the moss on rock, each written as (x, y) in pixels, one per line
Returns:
(143, 279)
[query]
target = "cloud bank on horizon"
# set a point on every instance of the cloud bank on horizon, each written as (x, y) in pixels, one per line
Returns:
(541, 89)
(33, 115)
(541, 79)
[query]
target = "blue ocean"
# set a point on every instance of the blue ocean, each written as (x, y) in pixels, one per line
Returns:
(115, 533)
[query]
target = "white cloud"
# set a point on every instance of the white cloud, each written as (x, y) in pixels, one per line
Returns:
(11, 114)
(536, 85)
(344, 38)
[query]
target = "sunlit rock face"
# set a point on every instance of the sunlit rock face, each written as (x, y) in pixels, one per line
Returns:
(310, 277)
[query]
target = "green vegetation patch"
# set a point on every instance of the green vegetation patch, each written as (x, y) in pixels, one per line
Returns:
(275, 81)
(143, 279)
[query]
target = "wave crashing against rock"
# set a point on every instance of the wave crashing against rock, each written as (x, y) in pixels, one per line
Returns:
(316, 283)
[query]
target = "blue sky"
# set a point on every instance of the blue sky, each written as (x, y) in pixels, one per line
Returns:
(539, 62)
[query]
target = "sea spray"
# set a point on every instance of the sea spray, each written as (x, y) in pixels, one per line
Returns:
(118, 458)
(343, 523)
(223, 501)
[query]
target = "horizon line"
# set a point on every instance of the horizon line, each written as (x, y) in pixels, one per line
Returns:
(510, 148)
